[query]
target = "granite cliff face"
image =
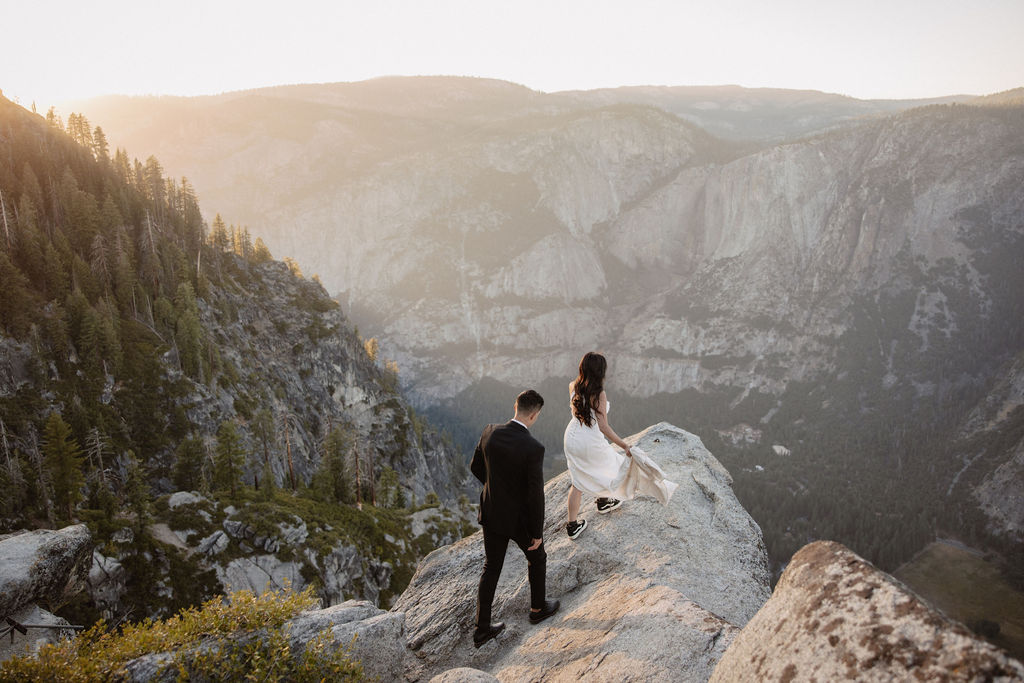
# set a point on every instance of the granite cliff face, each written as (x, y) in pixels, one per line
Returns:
(864, 279)
(994, 428)
(298, 356)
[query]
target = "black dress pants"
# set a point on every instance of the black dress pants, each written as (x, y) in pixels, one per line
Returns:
(495, 545)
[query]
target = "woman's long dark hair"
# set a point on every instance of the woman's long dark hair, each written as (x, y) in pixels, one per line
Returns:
(588, 386)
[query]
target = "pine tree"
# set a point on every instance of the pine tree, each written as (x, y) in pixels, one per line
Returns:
(188, 331)
(391, 493)
(137, 495)
(261, 254)
(268, 485)
(229, 458)
(53, 118)
(293, 267)
(188, 464)
(331, 480)
(62, 459)
(16, 300)
(372, 347)
(262, 427)
(100, 147)
(219, 235)
(154, 181)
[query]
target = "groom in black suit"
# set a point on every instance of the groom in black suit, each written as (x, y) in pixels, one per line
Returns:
(509, 462)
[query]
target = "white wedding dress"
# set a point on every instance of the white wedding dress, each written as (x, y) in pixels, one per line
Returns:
(594, 465)
(598, 469)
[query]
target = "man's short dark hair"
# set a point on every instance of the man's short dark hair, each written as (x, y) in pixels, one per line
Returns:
(529, 401)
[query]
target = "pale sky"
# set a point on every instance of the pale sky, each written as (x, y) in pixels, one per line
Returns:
(56, 50)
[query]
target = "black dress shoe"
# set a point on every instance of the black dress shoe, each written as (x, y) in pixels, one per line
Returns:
(482, 636)
(550, 607)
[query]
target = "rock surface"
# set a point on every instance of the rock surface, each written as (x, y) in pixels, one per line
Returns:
(1000, 495)
(464, 674)
(44, 566)
(648, 592)
(833, 616)
(47, 567)
(18, 644)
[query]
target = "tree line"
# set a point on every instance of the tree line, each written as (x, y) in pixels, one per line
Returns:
(104, 262)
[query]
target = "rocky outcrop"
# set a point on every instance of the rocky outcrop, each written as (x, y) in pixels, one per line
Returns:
(43, 566)
(833, 616)
(374, 638)
(40, 568)
(648, 592)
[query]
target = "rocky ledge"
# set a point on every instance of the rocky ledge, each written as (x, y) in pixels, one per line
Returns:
(648, 592)
(833, 617)
(40, 569)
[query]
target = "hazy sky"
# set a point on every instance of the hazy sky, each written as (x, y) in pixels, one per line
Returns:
(57, 50)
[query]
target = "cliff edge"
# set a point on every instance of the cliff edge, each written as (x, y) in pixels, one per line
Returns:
(648, 592)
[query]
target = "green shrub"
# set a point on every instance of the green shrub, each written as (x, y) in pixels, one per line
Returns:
(101, 655)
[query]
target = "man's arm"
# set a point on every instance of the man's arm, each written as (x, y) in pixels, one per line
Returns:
(535, 492)
(477, 466)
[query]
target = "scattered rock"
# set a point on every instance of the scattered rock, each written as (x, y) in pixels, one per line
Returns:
(834, 616)
(781, 450)
(213, 544)
(124, 536)
(294, 534)
(260, 574)
(648, 592)
(464, 675)
(179, 498)
(234, 528)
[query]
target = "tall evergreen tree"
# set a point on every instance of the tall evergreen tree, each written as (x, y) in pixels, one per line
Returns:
(188, 465)
(229, 458)
(100, 147)
(137, 495)
(62, 458)
(261, 254)
(331, 481)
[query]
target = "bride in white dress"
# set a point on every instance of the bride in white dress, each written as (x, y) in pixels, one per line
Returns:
(595, 467)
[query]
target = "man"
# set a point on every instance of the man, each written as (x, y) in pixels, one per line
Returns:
(509, 462)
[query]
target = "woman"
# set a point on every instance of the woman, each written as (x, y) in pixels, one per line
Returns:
(595, 467)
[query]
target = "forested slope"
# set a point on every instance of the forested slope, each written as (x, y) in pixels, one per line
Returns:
(142, 352)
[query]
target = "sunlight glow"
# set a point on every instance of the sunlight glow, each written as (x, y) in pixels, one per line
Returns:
(57, 51)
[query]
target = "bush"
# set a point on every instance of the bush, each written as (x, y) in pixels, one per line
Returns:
(201, 641)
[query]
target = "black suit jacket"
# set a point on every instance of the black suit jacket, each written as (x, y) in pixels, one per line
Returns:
(509, 462)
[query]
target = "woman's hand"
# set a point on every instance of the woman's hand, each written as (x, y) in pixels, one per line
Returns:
(629, 453)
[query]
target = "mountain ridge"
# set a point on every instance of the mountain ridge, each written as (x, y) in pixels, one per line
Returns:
(862, 272)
